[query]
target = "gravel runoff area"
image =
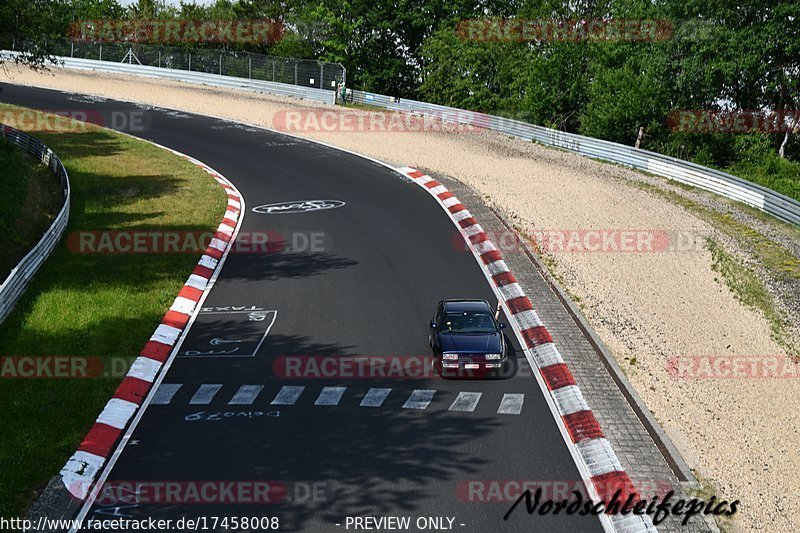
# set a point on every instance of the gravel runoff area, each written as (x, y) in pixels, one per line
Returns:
(740, 434)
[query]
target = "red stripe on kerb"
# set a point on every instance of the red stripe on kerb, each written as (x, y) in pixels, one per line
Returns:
(156, 350)
(608, 484)
(192, 293)
(431, 184)
(519, 304)
(583, 425)
(536, 336)
(203, 271)
(504, 278)
(213, 252)
(233, 196)
(491, 257)
(132, 390)
(557, 376)
(467, 222)
(100, 439)
(415, 174)
(224, 237)
(446, 195)
(175, 319)
(478, 238)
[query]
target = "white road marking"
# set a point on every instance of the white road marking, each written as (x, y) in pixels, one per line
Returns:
(419, 399)
(205, 394)
(511, 404)
(165, 393)
(288, 395)
(375, 397)
(246, 395)
(330, 396)
(466, 402)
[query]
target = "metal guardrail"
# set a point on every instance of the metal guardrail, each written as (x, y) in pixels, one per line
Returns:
(17, 281)
(727, 185)
(724, 184)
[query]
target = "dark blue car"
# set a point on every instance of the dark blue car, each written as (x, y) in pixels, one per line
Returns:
(465, 336)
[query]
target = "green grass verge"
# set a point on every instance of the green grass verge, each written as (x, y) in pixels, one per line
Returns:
(94, 305)
(30, 198)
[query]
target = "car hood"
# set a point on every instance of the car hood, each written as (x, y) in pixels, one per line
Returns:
(453, 342)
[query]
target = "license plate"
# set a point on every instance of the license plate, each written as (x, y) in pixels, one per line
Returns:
(471, 365)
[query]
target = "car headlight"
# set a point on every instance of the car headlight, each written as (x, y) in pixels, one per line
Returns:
(490, 356)
(450, 356)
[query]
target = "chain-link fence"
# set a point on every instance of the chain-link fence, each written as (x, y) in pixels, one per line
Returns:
(302, 72)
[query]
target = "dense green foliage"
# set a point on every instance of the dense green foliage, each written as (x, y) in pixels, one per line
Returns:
(703, 55)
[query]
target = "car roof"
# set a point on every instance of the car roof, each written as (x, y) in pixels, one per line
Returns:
(466, 305)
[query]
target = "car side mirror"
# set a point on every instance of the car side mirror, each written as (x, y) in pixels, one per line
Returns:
(433, 324)
(502, 325)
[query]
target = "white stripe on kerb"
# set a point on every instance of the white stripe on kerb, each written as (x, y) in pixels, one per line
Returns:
(375, 397)
(234, 203)
(144, 368)
(511, 291)
(79, 472)
(528, 319)
(226, 229)
(450, 202)
(166, 334)
(473, 230)
(466, 402)
(288, 395)
(218, 244)
(599, 457)
(439, 189)
(330, 396)
(546, 355)
(569, 400)
(165, 393)
(423, 179)
(485, 246)
(419, 399)
(205, 393)
(497, 267)
(117, 413)
(461, 215)
(633, 523)
(183, 305)
(231, 215)
(208, 262)
(246, 395)
(511, 404)
(198, 282)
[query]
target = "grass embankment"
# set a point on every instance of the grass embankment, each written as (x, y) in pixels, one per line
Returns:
(94, 305)
(30, 198)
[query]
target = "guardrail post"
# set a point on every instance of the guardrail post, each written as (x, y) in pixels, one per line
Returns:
(220, 64)
(72, 49)
(321, 66)
(159, 58)
(295, 73)
(250, 66)
(273, 70)
(101, 52)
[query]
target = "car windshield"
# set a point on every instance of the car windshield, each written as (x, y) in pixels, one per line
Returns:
(468, 322)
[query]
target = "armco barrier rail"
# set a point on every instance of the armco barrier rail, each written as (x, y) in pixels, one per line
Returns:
(724, 184)
(16, 282)
(727, 185)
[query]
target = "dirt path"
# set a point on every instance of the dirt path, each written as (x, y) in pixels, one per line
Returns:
(648, 307)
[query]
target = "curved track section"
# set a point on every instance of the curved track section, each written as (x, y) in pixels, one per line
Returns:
(329, 446)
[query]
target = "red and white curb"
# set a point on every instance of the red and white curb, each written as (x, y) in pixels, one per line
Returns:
(82, 469)
(585, 437)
